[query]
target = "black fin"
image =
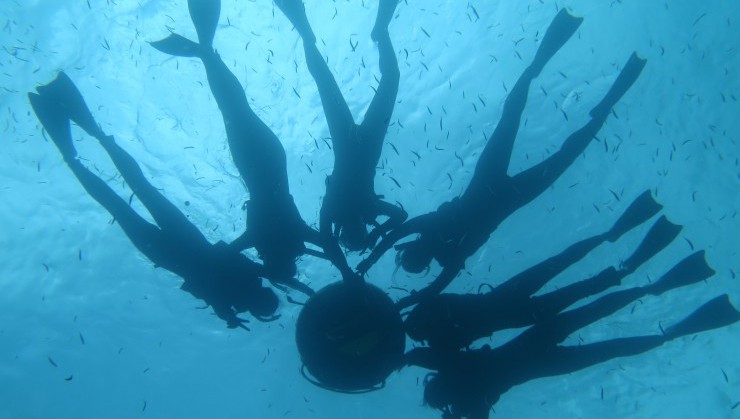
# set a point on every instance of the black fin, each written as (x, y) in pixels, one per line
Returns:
(639, 211)
(55, 122)
(562, 27)
(715, 314)
(205, 14)
(178, 46)
(661, 234)
(690, 270)
(624, 81)
(64, 92)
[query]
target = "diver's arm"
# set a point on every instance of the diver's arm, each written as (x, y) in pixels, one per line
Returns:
(414, 225)
(435, 288)
(293, 283)
(332, 252)
(396, 217)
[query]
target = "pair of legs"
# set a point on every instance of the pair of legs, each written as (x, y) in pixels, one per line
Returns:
(357, 148)
(174, 243)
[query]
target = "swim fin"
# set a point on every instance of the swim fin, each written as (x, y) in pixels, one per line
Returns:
(205, 14)
(563, 26)
(718, 312)
(624, 81)
(295, 11)
(661, 234)
(690, 270)
(63, 91)
(54, 122)
(178, 46)
(639, 211)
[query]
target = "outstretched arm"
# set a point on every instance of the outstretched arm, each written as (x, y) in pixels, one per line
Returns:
(436, 287)
(396, 216)
(414, 225)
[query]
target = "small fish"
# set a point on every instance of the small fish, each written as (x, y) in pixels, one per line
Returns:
(425, 32)
(82, 338)
(395, 181)
(51, 361)
(69, 378)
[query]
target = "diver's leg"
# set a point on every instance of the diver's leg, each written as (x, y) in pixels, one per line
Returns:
(528, 282)
(295, 11)
(142, 234)
(338, 115)
(378, 116)
(168, 217)
(533, 181)
(493, 162)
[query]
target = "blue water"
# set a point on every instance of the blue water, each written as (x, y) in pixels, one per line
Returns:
(79, 301)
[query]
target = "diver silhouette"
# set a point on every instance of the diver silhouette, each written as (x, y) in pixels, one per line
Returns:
(274, 226)
(227, 281)
(451, 321)
(467, 384)
(350, 202)
(458, 228)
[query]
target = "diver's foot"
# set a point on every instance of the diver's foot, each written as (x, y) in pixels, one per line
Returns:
(386, 8)
(661, 234)
(690, 270)
(561, 29)
(295, 11)
(715, 314)
(55, 122)
(63, 92)
(639, 211)
(622, 84)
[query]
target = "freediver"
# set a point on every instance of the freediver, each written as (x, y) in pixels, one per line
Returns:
(458, 228)
(452, 321)
(467, 384)
(227, 281)
(350, 203)
(274, 226)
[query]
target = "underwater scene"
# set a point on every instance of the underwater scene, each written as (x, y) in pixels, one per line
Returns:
(369, 208)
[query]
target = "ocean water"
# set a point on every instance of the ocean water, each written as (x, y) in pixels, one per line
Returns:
(90, 328)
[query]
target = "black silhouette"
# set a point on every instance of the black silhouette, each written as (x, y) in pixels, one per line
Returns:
(451, 322)
(457, 229)
(351, 202)
(467, 384)
(274, 225)
(228, 281)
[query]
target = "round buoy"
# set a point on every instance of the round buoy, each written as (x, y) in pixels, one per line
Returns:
(350, 337)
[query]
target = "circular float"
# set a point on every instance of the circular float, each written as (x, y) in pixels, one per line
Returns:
(350, 337)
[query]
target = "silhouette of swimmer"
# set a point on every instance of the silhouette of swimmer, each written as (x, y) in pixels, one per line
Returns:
(451, 322)
(458, 228)
(350, 202)
(274, 225)
(466, 384)
(227, 281)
